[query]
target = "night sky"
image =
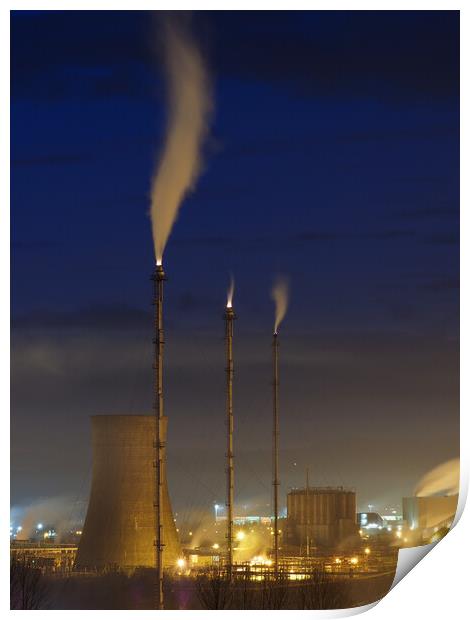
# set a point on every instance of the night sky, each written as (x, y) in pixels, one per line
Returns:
(333, 158)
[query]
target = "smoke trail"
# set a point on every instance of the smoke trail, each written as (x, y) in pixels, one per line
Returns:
(280, 295)
(55, 512)
(230, 292)
(190, 105)
(442, 479)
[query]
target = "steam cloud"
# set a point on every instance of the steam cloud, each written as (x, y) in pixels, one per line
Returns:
(442, 479)
(280, 295)
(57, 512)
(230, 292)
(190, 106)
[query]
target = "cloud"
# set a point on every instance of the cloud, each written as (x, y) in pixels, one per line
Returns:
(386, 54)
(443, 239)
(385, 235)
(442, 284)
(203, 240)
(102, 317)
(429, 213)
(379, 235)
(80, 54)
(422, 133)
(320, 236)
(391, 55)
(33, 246)
(57, 159)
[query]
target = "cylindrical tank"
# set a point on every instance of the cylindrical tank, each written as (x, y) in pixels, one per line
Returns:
(331, 512)
(119, 528)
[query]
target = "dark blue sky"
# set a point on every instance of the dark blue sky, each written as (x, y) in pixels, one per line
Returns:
(333, 158)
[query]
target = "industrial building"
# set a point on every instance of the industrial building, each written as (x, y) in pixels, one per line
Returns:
(45, 556)
(423, 513)
(321, 516)
(370, 520)
(119, 528)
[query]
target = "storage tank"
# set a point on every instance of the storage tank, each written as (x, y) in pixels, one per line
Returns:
(326, 514)
(430, 511)
(119, 529)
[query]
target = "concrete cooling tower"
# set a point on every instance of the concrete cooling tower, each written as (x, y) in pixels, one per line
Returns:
(119, 528)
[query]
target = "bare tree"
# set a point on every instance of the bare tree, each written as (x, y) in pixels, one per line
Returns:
(244, 591)
(323, 591)
(27, 585)
(214, 589)
(274, 591)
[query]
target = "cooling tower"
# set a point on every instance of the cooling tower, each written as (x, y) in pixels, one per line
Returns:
(119, 528)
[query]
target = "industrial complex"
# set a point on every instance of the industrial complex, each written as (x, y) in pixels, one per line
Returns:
(130, 528)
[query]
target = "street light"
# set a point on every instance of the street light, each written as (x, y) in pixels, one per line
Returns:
(216, 508)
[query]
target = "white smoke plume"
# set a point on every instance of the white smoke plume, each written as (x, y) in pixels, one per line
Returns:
(190, 106)
(280, 295)
(230, 291)
(442, 479)
(58, 512)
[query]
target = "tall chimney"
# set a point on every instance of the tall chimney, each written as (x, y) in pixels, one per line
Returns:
(275, 446)
(229, 318)
(159, 278)
(307, 514)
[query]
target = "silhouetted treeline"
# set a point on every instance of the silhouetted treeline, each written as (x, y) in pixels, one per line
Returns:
(209, 590)
(28, 586)
(319, 591)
